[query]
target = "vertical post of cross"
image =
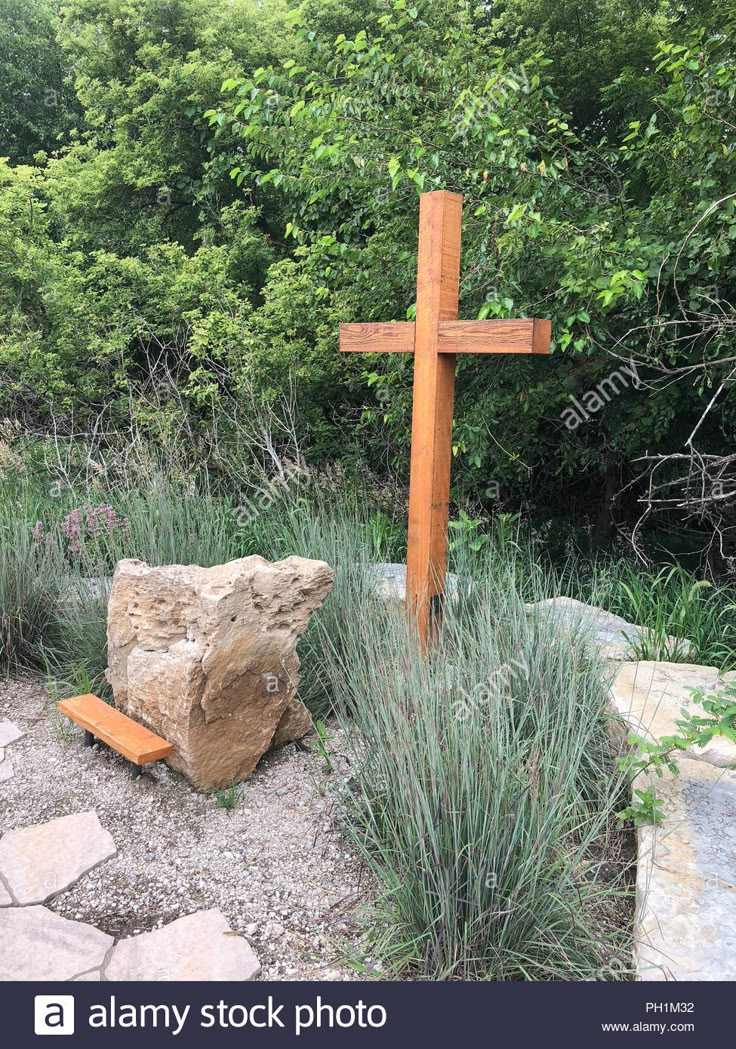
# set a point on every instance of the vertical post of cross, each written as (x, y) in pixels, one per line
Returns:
(438, 285)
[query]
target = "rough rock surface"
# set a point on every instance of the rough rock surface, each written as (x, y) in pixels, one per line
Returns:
(685, 884)
(9, 733)
(610, 633)
(206, 657)
(39, 861)
(650, 696)
(387, 580)
(197, 947)
(685, 927)
(36, 944)
(5, 898)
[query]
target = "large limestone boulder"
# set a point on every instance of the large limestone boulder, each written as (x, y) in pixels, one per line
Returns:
(206, 657)
(614, 636)
(651, 697)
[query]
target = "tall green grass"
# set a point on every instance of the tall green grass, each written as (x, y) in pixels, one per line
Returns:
(53, 594)
(342, 533)
(670, 602)
(28, 596)
(482, 790)
(685, 618)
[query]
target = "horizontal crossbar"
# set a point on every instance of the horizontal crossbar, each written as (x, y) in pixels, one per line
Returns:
(393, 337)
(494, 336)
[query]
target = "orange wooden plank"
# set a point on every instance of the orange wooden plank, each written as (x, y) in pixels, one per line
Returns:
(392, 337)
(494, 336)
(438, 281)
(134, 741)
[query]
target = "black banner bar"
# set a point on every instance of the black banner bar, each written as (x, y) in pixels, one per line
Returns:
(386, 1014)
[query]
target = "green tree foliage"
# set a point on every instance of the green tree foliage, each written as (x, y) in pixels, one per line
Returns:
(37, 101)
(589, 45)
(597, 238)
(244, 179)
(81, 326)
(145, 70)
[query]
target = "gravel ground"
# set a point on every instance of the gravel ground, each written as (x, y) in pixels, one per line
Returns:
(276, 865)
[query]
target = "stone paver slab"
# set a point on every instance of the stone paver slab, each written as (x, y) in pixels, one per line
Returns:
(197, 947)
(39, 861)
(9, 733)
(6, 899)
(686, 884)
(650, 697)
(36, 944)
(612, 634)
(7, 770)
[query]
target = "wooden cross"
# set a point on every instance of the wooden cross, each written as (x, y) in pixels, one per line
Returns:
(434, 339)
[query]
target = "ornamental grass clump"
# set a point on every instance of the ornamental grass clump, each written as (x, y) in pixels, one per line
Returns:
(483, 788)
(29, 571)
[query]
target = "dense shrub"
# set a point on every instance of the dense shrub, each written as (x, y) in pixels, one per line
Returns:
(228, 248)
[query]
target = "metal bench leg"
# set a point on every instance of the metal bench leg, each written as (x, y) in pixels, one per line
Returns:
(136, 771)
(89, 739)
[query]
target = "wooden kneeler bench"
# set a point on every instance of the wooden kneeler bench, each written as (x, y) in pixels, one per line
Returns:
(103, 722)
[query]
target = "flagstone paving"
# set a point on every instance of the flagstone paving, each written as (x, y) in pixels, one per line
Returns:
(686, 878)
(651, 696)
(9, 733)
(36, 944)
(40, 861)
(685, 926)
(276, 865)
(5, 898)
(197, 947)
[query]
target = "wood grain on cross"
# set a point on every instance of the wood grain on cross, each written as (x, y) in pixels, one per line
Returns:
(435, 339)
